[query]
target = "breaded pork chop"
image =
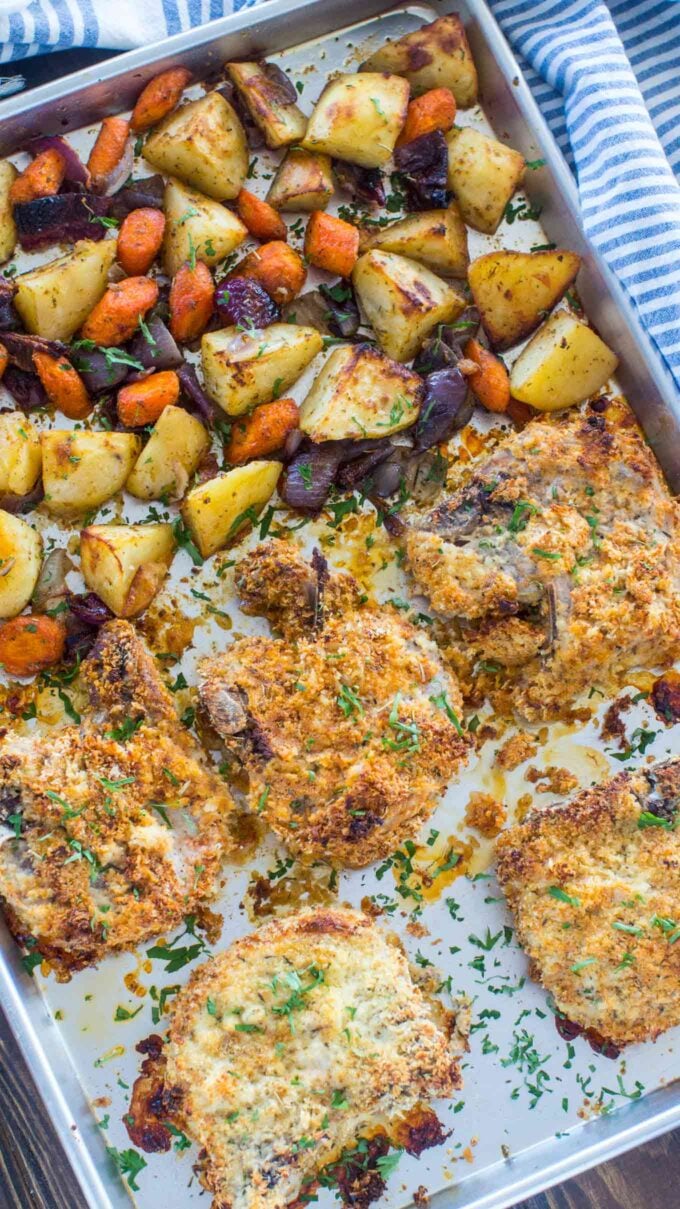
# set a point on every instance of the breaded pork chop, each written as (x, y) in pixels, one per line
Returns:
(113, 830)
(558, 563)
(286, 1047)
(347, 725)
(595, 890)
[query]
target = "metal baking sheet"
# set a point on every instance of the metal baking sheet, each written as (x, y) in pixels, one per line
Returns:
(533, 1110)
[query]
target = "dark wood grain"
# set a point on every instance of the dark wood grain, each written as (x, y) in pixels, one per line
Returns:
(35, 1175)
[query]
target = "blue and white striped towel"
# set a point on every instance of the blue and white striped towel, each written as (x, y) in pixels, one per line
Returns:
(599, 72)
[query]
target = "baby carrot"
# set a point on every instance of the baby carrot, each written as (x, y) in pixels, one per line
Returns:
(434, 110)
(159, 97)
(277, 268)
(116, 316)
(42, 178)
(139, 240)
(108, 149)
(191, 301)
(63, 384)
(491, 385)
(30, 643)
(261, 219)
(331, 243)
(142, 402)
(262, 432)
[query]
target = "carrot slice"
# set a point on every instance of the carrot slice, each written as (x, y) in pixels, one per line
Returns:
(142, 402)
(491, 385)
(30, 643)
(261, 219)
(192, 295)
(277, 268)
(139, 240)
(115, 317)
(434, 110)
(331, 243)
(108, 150)
(159, 97)
(63, 384)
(42, 178)
(262, 432)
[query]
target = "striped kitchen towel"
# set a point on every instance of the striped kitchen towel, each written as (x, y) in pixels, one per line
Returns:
(599, 71)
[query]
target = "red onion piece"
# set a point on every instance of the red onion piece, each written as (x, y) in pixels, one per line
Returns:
(311, 474)
(26, 389)
(21, 348)
(243, 302)
(147, 192)
(51, 589)
(90, 608)
(23, 503)
(76, 172)
(9, 320)
(425, 164)
(364, 184)
(202, 403)
(65, 216)
(158, 352)
(444, 407)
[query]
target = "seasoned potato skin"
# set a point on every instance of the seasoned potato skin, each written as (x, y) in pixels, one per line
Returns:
(280, 120)
(483, 175)
(360, 393)
(303, 181)
(20, 557)
(358, 118)
(55, 299)
(240, 368)
(436, 55)
(83, 469)
(204, 144)
(564, 363)
(403, 301)
(126, 564)
(514, 291)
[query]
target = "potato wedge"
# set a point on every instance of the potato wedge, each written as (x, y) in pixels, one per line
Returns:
(170, 456)
(272, 110)
(358, 118)
(564, 363)
(126, 564)
(218, 510)
(360, 393)
(20, 454)
(303, 181)
(197, 225)
(20, 559)
(8, 230)
(83, 469)
(435, 56)
(436, 238)
(514, 291)
(242, 369)
(204, 144)
(55, 299)
(403, 301)
(483, 175)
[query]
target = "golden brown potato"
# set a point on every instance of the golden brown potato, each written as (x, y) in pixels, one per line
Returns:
(276, 114)
(218, 510)
(437, 238)
(564, 363)
(204, 144)
(360, 393)
(20, 454)
(170, 456)
(126, 564)
(358, 118)
(514, 291)
(303, 181)
(20, 559)
(483, 175)
(242, 369)
(435, 56)
(403, 301)
(55, 299)
(83, 469)
(8, 230)
(197, 226)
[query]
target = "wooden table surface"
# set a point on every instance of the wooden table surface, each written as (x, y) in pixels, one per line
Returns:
(34, 1173)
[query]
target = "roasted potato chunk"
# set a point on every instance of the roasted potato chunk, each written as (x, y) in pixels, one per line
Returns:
(435, 56)
(126, 564)
(360, 393)
(483, 175)
(564, 363)
(197, 226)
(83, 469)
(20, 558)
(242, 369)
(270, 104)
(303, 181)
(204, 144)
(514, 291)
(403, 301)
(436, 238)
(55, 299)
(8, 230)
(20, 454)
(218, 510)
(358, 118)
(170, 456)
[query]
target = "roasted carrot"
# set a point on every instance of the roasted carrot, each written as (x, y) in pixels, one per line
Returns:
(331, 243)
(3, 359)
(42, 178)
(63, 384)
(139, 240)
(108, 149)
(115, 317)
(142, 402)
(30, 643)
(434, 110)
(262, 432)
(491, 385)
(159, 97)
(192, 295)
(261, 219)
(278, 269)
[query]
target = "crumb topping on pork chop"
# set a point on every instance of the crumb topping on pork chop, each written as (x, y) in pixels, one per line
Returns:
(348, 725)
(286, 1047)
(557, 563)
(114, 830)
(595, 890)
